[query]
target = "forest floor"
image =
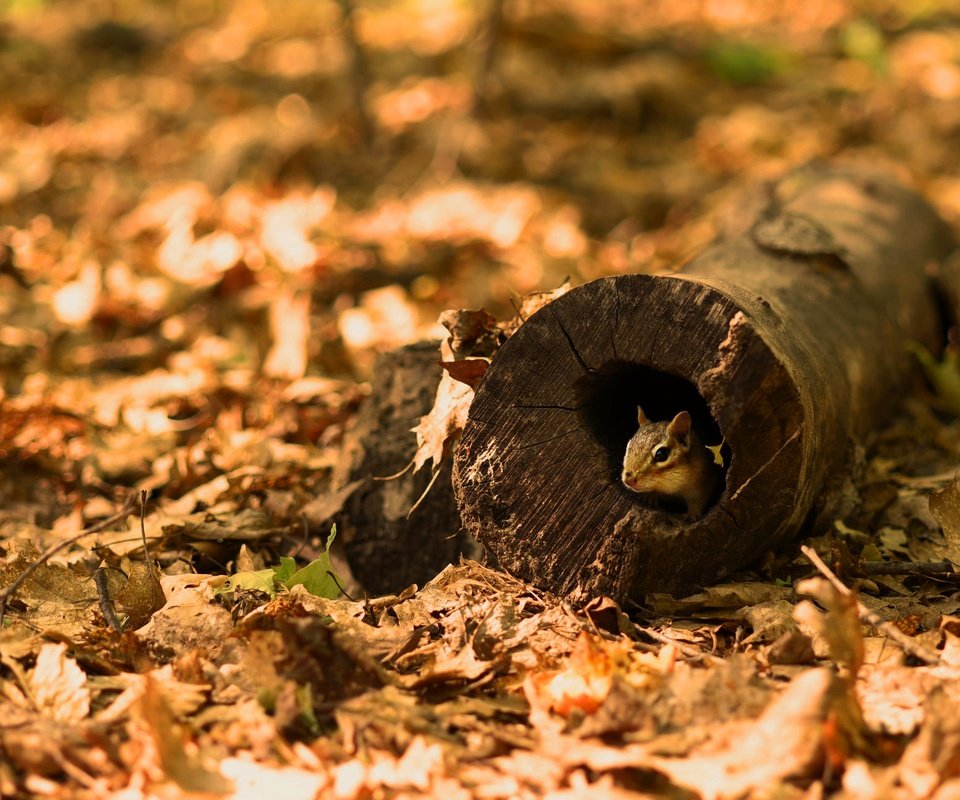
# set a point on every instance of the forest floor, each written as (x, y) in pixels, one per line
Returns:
(205, 240)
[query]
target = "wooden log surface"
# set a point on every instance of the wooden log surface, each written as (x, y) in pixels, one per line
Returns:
(390, 539)
(786, 337)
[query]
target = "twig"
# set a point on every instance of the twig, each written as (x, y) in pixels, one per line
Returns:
(150, 565)
(433, 480)
(395, 475)
(867, 616)
(51, 551)
(359, 74)
(106, 603)
(489, 39)
(933, 569)
(687, 651)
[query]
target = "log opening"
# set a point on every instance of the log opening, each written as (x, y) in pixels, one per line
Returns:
(607, 398)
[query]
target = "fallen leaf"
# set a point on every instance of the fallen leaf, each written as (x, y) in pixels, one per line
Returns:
(469, 370)
(786, 742)
(289, 329)
(173, 753)
(945, 507)
(532, 303)
(839, 627)
(444, 422)
(472, 333)
(59, 686)
(933, 757)
(581, 685)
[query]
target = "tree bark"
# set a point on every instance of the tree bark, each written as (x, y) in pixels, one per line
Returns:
(785, 337)
(387, 545)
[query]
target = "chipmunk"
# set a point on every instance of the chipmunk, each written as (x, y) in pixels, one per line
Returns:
(669, 460)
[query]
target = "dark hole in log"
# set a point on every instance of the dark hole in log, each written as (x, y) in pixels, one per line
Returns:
(943, 303)
(607, 400)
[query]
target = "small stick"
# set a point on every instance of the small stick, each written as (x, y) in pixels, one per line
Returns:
(106, 604)
(488, 40)
(51, 551)
(687, 651)
(934, 569)
(150, 565)
(433, 480)
(359, 74)
(867, 616)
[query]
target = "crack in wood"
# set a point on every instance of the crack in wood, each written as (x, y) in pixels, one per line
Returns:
(569, 338)
(551, 439)
(616, 322)
(545, 408)
(766, 465)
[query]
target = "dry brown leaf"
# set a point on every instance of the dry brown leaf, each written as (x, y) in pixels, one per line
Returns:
(933, 757)
(252, 779)
(288, 223)
(530, 304)
(786, 742)
(444, 422)
(945, 507)
(59, 686)
(582, 685)
(289, 330)
(839, 628)
(171, 753)
(769, 620)
(140, 594)
(190, 618)
(472, 333)
(468, 370)
(56, 599)
(892, 698)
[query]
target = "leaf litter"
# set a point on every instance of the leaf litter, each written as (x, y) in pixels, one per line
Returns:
(198, 264)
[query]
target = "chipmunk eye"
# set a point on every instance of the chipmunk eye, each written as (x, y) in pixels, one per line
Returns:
(661, 454)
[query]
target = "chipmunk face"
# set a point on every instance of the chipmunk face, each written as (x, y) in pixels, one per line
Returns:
(656, 453)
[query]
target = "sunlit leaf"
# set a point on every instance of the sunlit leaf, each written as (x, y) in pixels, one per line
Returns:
(318, 576)
(262, 580)
(863, 40)
(283, 573)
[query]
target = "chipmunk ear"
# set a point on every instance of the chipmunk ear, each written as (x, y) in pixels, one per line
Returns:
(641, 417)
(679, 426)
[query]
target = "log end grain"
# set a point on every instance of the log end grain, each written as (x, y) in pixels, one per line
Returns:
(538, 468)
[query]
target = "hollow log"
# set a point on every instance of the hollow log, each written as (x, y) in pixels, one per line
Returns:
(785, 339)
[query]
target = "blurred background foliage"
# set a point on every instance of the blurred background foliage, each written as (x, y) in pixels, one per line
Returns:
(175, 175)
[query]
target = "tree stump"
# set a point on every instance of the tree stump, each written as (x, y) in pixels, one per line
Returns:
(785, 338)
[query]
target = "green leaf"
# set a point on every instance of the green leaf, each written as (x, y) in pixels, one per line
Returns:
(861, 39)
(944, 376)
(285, 570)
(262, 580)
(318, 576)
(743, 63)
(305, 705)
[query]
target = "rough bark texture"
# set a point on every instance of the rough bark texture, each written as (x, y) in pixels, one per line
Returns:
(386, 549)
(786, 336)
